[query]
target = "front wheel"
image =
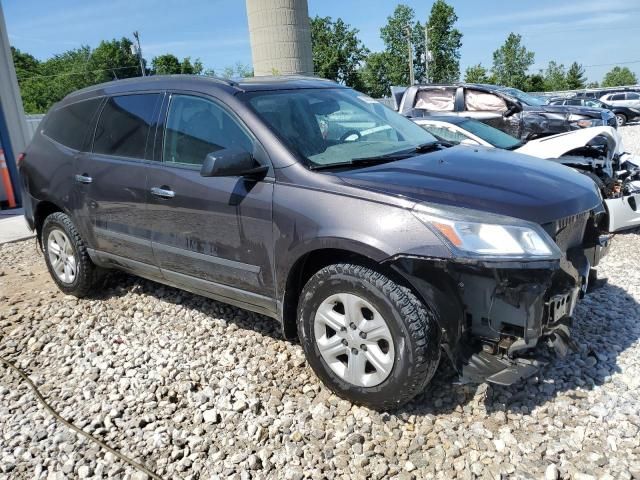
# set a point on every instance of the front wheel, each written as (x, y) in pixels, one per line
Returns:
(621, 119)
(369, 339)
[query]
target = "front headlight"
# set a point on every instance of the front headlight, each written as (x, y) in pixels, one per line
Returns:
(585, 122)
(481, 234)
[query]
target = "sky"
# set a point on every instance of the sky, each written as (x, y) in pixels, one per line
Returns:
(597, 33)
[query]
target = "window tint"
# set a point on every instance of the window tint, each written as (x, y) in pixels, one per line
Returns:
(197, 127)
(574, 102)
(632, 96)
(620, 96)
(69, 125)
(124, 125)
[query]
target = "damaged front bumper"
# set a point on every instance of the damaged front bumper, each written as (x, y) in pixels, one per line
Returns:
(495, 315)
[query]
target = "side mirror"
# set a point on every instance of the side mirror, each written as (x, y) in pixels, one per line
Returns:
(232, 162)
(512, 110)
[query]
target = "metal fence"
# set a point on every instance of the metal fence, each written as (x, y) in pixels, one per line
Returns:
(32, 123)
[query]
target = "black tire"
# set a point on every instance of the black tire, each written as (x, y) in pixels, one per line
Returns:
(621, 119)
(414, 330)
(87, 274)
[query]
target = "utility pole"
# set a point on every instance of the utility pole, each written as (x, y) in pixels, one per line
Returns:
(412, 78)
(426, 52)
(138, 50)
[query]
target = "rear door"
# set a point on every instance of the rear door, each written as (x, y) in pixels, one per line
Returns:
(632, 99)
(112, 176)
(210, 234)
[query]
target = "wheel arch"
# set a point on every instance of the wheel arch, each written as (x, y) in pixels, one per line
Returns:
(43, 209)
(313, 260)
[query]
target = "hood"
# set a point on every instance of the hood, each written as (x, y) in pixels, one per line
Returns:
(555, 146)
(486, 179)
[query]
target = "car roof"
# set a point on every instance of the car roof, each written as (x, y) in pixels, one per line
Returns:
(200, 83)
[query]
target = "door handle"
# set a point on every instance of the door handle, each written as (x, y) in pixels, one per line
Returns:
(84, 178)
(162, 192)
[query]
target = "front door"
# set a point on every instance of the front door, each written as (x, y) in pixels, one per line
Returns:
(111, 178)
(210, 234)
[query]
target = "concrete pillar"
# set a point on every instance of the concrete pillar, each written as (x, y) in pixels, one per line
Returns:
(280, 37)
(13, 125)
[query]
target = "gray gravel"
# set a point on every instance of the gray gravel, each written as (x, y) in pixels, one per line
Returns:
(197, 389)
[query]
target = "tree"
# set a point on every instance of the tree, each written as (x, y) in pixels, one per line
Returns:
(535, 83)
(238, 71)
(618, 76)
(374, 76)
(444, 44)
(395, 34)
(555, 77)
(476, 74)
(28, 71)
(169, 64)
(511, 62)
(575, 77)
(337, 51)
(112, 60)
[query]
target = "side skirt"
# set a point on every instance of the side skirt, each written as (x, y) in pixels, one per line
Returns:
(216, 291)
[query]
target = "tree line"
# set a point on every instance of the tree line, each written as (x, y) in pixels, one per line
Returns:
(433, 48)
(43, 83)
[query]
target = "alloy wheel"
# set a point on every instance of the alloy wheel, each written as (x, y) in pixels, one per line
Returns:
(62, 256)
(354, 339)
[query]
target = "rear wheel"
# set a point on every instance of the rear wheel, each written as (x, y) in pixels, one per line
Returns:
(369, 339)
(621, 119)
(66, 256)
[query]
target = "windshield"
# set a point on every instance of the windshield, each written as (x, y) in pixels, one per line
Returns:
(336, 126)
(523, 97)
(491, 135)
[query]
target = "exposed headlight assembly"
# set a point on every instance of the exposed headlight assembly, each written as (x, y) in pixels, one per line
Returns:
(479, 234)
(585, 122)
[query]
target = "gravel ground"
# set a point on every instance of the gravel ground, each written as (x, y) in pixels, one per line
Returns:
(197, 389)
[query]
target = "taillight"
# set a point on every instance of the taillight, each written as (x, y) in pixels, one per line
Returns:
(20, 158)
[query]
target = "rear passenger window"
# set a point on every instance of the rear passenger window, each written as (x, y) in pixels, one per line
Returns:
(69, 125)
(124, 125)
(197, 127)
(632, 96)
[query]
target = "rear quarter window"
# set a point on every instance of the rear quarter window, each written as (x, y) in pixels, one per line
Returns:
(69, 125)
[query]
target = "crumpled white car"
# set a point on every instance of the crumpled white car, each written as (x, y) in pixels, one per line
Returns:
(596, 151)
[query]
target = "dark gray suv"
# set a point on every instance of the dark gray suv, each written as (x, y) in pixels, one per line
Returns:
(314, 204)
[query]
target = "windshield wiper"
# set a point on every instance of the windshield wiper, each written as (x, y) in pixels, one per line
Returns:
(362, 161)
(378, 159)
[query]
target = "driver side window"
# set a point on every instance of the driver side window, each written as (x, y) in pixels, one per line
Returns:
(196, 127)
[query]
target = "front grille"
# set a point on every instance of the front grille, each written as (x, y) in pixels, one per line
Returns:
(568, 232)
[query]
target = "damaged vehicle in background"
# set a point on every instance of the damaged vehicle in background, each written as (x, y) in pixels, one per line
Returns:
(308, 202)
(623, 114)
(508, 109)
(597, 152)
